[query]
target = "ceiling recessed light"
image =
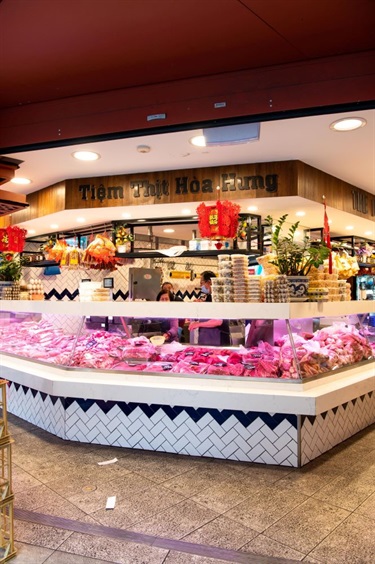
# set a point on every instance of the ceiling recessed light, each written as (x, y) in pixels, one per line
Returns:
(31, 231)
(348, 124)
(53, 226)
(126, 215)
(143, 148)
(368, 232)
(300, 213)
(80, 220)
(194, 217)
(140, 220)
(168, 230)
(198, 141)
(349, 227)
(19, 180)
(86, 155)
(252, 208)
(186, 212)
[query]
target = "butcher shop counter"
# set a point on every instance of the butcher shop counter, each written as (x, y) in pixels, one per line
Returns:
(288, 418)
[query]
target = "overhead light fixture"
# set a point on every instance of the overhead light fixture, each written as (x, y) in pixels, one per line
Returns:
(368, 232)
(126, 215)
(252, 208)
(19, 180)
(140, 220)
(31, 231)
(143, 148)
(349, 227)
(300, 213)
(80, 220)
(198, 141)
(227, 135)
(194, 217)
(186, 212)
(53, 226)
(348, 124)
(168, 230)
(86, 155)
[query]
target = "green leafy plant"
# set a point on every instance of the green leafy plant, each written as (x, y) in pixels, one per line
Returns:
(294, 258)
(11, 266)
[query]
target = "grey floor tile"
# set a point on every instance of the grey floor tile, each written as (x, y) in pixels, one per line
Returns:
(31, 554)
(265, 546)
(120, 487)
(40, 535)
(59, 557)
(265, 506)
(22, 480)
(66, 510)
(310, 478)
(222, 497)
(113, 550)
(347, 490)
(367, 508)
(138, 507)
(183, 558)
(307, 525)
(351, 542)
(158, 468)
(222, 532)
(37, 496)
(199, 479)
(177, 521)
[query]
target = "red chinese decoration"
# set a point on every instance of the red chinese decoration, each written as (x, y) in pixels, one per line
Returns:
(219, 221)
(12, 239)
(327, 236)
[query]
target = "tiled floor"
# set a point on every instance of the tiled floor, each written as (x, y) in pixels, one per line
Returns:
(181, 510)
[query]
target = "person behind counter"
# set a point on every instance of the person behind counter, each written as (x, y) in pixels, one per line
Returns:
(169, 327)
(211, 331)
(169, 286)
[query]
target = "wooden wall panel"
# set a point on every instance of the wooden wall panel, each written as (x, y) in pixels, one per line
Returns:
(313, 184)
(43, 202)
(262, 180)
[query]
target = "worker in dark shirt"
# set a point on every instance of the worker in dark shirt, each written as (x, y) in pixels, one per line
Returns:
(211, 331)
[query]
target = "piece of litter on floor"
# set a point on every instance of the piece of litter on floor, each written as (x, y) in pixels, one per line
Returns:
(111, 502)
(107, 462)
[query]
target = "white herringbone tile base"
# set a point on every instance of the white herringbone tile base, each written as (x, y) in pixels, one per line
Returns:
(232, 440)
(323, 432)
(250, 437)
(251, 441)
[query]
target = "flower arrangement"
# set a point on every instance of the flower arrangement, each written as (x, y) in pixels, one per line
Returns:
(11, 266)
(122, 235)
(294, 258)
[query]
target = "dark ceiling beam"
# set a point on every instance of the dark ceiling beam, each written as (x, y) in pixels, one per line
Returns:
(340, 80)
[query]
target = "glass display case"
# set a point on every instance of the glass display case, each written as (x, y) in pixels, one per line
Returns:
(289, 342)
(301, 382)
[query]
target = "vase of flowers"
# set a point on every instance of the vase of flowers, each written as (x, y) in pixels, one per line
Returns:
(123, 239)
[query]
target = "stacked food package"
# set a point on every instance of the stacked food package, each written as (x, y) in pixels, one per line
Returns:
(326, 287)
(93, 292)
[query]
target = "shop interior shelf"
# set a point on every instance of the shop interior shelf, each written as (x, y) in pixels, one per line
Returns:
(197, 254)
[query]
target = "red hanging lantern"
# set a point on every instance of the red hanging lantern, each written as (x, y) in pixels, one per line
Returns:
(219, 221)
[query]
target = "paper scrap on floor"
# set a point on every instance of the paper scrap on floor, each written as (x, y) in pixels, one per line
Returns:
(111, 502)
(107, 462)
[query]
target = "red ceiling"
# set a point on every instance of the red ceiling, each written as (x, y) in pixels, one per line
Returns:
(55, 50)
